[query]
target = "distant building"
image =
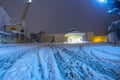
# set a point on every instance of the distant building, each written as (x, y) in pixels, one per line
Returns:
(52, 38)
(5, 37)
(5, 18)
(75, 37)
(90, 36)
(17, 32)
(10, 33)
(70, 37)
(99, 38)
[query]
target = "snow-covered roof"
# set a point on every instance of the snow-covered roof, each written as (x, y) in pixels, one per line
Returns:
(14, 31)
(74, 30)
(4, 33)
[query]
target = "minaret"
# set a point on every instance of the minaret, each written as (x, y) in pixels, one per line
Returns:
(24, 15)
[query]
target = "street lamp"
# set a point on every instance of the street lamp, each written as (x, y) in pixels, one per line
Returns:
(29, 1)
(103, 1)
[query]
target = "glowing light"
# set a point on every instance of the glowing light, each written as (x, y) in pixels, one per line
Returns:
(103, 1)
(29, 1)
(100, 39)
(75, 37)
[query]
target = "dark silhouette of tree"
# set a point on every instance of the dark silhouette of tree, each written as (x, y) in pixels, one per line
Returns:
(118, 32)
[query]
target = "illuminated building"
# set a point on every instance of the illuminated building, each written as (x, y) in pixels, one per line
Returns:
(75, 37)
(100, 39)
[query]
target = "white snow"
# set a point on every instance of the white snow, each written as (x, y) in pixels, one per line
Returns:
(59, 62)
(107, 53)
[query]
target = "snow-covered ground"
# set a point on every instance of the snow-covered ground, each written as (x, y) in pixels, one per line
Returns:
(60, 62)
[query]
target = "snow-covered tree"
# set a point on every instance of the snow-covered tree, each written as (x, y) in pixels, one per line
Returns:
(113, 7)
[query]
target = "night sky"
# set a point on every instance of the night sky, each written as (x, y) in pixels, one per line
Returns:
(60, 16)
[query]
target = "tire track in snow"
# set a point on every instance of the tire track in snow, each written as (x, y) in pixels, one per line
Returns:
(109, 60)
(7, 63)
(84, 59)
(68, 68)
(48, 64)
(36, 64)
(25, 68)
(112, 54)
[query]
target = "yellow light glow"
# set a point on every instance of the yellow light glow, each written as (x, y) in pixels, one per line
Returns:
(100, 39)
(12, 28)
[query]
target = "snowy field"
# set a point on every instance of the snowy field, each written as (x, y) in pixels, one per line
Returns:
(59, 62)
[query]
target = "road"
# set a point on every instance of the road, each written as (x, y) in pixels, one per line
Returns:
(58, 62)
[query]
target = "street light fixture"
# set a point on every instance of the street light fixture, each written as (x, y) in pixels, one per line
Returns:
(29, 1)
(103, 1)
